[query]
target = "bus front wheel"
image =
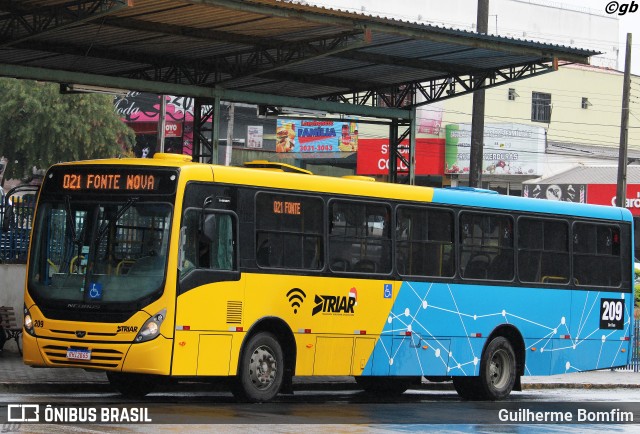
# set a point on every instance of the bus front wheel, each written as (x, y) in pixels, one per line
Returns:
(261, 369)
(497, 373)
(132, 385)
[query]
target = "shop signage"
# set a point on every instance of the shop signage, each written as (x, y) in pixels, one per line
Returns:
(373, 157)
(562, 192)
(509, 149)
(255, 135)
(605, 194)
(172, 129)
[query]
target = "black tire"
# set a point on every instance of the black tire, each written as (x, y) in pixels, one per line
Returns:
(132, 385)
(387, 385)
(467, 387)
(497, 373)
(498, 369)
(260, 369)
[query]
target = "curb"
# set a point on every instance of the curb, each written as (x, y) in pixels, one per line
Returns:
(578, 386)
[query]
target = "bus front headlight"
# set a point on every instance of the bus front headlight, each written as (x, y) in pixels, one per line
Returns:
(28, 322)
(151, 328)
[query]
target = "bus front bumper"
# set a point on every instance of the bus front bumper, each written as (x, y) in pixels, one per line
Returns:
(152, 357)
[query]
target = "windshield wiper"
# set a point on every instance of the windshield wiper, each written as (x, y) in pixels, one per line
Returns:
(105, 226)
(70, 224)
(75, 240)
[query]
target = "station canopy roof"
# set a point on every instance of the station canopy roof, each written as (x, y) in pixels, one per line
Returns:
(260, 51)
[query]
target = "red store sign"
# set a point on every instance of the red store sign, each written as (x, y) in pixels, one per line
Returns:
(171, 128)
(373, 157)
(605, 194)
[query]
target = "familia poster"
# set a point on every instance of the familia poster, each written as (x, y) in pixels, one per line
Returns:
(316, 136)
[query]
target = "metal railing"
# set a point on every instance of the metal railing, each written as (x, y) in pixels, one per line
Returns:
(634, 364)
(16, 216)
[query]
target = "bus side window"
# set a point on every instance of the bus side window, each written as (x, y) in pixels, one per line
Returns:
(189, 241)
(213, 248)
(359, 237)
(596, 252)
(289, 231)
(424, 244)
(543, 251)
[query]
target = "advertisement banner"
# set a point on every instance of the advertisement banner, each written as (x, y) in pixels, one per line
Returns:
(509, 149)
(141, 111)
(563, 192)
(316, 136)
(373, 157)
(430, 117)
(254, 136)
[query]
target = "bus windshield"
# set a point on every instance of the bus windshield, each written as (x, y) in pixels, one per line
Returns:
(99, 251)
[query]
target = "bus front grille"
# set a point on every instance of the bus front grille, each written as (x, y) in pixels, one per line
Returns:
(100, 357)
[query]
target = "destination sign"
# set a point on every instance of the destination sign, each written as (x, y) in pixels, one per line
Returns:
(111, 180)
(286, 207)
(108, 181)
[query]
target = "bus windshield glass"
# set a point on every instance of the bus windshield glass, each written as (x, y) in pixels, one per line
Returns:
(99, 252)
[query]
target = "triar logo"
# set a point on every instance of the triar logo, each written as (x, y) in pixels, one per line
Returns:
(335, 304)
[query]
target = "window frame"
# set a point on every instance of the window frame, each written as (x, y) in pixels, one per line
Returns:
(568, 225)
(320, 236)
(389, 206)
(577, 254)
(499, 248)
(540, 107)
(199, 276)
(396, 241)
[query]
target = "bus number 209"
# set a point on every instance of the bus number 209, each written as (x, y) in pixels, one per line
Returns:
(612, 313)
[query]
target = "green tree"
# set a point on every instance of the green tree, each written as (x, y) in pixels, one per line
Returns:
(40, 127)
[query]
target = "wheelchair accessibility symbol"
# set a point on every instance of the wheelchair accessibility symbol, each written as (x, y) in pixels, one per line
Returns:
(95, 291)
(388, 290)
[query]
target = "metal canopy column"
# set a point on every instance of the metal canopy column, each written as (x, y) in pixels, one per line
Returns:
(393, 150)
(412, 147)
(206, 138)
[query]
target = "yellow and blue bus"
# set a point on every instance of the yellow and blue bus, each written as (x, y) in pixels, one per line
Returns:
(163, 268)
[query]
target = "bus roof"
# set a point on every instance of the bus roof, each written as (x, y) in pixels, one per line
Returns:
(353, 186)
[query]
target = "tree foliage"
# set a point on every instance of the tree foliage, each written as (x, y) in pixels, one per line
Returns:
(40, 127)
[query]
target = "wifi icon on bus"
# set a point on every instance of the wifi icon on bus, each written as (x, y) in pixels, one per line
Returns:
(296, 297)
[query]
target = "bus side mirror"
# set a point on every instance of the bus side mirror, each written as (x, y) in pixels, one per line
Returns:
(209, 227)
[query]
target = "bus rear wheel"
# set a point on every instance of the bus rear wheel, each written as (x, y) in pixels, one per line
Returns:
(497, 373)
(261, 369)
(132, 385)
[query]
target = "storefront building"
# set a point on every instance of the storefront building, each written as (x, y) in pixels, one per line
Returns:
(595, 184)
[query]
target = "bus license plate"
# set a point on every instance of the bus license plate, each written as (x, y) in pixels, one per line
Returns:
(78, 354)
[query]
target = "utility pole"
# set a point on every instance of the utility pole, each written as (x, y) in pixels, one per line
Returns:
(477, 117)
(229, 148)
(621, 191)
(161, 123)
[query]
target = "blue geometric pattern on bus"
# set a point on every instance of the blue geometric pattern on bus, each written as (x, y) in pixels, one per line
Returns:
(439, 329)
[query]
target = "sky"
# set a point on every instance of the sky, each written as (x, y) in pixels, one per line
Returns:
(629, 22)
